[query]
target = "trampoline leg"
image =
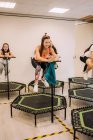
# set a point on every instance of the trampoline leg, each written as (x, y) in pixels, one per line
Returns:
(19, 92)
(11, 110)
(52, 103)
(28, 88)
(35, 121)
(74, 135)
(69, 101)
(65, 114)
(25, 88)
(43, 90)
(54, 90)
(69, 85)
(62, 89)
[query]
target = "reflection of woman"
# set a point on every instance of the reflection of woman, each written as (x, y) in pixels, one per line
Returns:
(88, 60)
(43, 53)
(5, 52)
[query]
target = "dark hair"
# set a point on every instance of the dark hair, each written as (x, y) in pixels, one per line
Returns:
(88, 48)
(3, 48)
(55, 50)
(42, 42)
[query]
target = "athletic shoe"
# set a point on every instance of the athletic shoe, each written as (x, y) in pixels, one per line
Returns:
(45, 83)
(85, 76)
(35, 89)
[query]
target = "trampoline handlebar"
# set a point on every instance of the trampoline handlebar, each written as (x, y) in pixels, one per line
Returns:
(47, 62)
(7, 57)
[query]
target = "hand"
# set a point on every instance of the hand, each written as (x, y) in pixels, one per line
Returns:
(50, 60)
(6, 54)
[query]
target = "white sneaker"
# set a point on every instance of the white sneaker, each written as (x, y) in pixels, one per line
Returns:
(35, 89)
(85, 76)
(45, 83)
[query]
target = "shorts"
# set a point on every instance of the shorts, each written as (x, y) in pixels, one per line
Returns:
(83, 58)
(35, 63)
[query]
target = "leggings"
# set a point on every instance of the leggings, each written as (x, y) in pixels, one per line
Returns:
(84, 59)
(38, 66)
(3, 66)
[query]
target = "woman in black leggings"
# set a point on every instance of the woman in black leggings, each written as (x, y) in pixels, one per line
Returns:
(43, 54)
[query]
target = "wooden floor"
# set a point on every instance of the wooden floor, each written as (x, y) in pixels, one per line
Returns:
(21, 126)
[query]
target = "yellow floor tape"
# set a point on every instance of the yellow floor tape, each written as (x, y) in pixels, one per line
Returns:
(55, 133)
(66, 127)
(47, 135)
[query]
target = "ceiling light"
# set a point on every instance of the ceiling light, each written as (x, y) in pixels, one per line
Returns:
(7, 4)
(59, 10)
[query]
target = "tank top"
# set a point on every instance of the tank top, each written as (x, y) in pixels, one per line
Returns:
(46, 53)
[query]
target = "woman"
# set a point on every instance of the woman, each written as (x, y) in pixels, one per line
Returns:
(88, 60)
(43, 54)
(4, 53)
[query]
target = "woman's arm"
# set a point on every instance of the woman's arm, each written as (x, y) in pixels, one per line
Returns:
(54, 56)
(91, 55)
(1, 55)
(11, 54)
(38, 57)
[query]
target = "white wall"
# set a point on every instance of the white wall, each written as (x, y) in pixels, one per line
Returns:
(24, 34)
(83, 39)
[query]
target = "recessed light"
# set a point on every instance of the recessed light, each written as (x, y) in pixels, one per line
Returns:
(7, 4)
(59, 10)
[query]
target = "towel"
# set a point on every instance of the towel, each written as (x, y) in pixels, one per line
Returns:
(50, 75)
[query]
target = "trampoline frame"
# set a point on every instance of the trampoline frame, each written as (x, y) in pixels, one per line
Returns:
(13, 90)
(79, 97)
(44, 88)
(76, 122)
(70, 80)
(64, 106)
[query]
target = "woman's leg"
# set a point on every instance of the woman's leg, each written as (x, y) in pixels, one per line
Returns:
(37, 67)
(1, 68)
(89, 63)
(44, 67)
(87, 67)
(37, 73)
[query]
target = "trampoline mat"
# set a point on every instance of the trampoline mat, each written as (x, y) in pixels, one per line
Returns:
(12, 86)
(80, 80)
(82, 93)
(41, 84)
(82, 120)
(86, 118)
(37, 103)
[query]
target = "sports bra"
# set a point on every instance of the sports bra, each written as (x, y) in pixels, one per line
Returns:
(47, 53)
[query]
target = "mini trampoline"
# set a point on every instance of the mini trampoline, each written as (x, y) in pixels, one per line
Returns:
(59, 84)
(81, 94)
(13, 86)
(82, 121)
(80, 81)
(39, 103)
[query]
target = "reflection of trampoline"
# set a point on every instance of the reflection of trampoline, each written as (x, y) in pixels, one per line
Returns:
(13, 86)
(82, 121)
(59, 84)
(38, 103)
(80, 81)
(81, 94)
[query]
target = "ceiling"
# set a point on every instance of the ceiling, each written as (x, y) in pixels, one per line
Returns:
(78, 8)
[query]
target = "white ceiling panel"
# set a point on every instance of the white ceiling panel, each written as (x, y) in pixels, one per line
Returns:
(78, 8)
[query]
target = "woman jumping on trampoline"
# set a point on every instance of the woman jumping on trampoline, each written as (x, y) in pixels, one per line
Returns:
(87, 58)
(43, 53)
(5, 52)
